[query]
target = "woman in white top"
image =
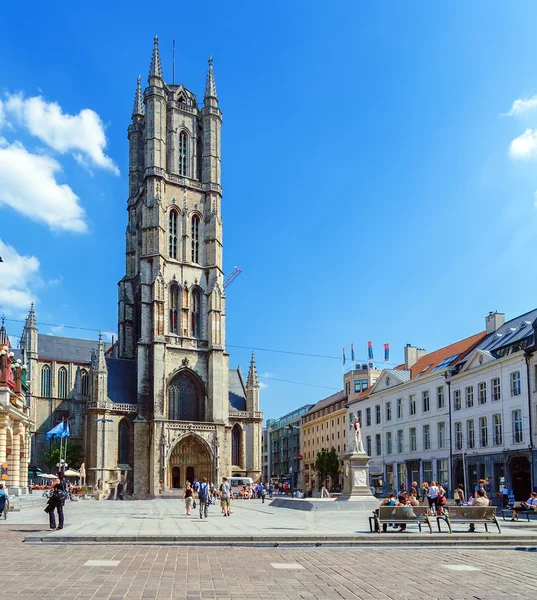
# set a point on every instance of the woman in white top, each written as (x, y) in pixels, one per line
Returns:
(432, 495)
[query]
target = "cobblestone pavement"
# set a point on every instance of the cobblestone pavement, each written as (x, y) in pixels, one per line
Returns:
(196, 573)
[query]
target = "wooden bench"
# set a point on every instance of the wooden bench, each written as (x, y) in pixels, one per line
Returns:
(521, 513)
(468, 514)
(401, 515)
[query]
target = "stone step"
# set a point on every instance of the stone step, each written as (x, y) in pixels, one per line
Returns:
(362, 541)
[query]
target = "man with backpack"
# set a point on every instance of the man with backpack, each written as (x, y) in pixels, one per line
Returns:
(203, 497)
(56, 502)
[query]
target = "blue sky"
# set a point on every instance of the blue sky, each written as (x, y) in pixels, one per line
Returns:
(372, 189)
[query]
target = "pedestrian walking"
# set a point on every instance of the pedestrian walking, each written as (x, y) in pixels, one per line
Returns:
(458, 495)
(203, 497)
(225, 491)
(263, 494)
(188, 497)
(120, 489)
(432, 496)
(56, 503)
(4, 502)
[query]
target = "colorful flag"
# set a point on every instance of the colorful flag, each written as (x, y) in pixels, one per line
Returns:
(370, 350)
(344, 359)
(386, 352)
(352, 352)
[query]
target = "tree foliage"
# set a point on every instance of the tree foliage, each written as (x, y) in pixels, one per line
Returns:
(75, 455)
(327, 465)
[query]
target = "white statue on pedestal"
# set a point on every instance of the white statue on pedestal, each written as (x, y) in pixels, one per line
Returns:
(358, 444)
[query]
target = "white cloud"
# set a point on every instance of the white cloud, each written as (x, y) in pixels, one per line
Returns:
(525, 145)
(108, 335)
(262, 385)
(521, 106)
(81, 134)
(17, 274)
(28, 185)
(56, 329)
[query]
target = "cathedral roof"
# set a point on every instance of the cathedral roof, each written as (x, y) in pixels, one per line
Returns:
(122, 380)
(53, 347)
(237, 391)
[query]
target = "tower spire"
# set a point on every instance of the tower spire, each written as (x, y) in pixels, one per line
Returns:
(252, 380)
(138, 108)
(210, 85)
(31, 323)
(155, 69)
(4, 340)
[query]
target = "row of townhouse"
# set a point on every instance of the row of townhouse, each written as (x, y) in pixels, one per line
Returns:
(464, 412)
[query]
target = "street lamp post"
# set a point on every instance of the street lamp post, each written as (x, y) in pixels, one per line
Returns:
(104, 421)
(292, 464)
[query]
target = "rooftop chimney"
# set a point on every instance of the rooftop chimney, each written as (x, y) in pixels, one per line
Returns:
(494, 320)
(412, 355)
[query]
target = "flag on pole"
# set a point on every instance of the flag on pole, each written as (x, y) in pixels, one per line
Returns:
(61, 430)
(386, 352)
(370, 350)
(352, 352)
(344, 359)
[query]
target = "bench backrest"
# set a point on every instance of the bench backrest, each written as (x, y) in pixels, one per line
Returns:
(402, 513)
(485, 513)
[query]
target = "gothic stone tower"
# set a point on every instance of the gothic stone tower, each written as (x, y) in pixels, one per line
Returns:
(171, 300)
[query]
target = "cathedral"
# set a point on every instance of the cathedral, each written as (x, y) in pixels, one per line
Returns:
(159, 405)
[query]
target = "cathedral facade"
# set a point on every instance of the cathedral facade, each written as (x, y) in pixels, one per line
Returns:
(160, 406)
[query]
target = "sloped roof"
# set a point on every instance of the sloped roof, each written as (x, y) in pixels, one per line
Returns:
(341, 395)
(65, 349)
(122, 380)
(400, 374)
(237, 390)
(510, 332)
(427, 363)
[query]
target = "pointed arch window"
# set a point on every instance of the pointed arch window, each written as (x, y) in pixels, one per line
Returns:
(186, 398)
(123, 443)
(174, 308)
(236, 439)
(172, 234)
(195, 313)
(195, 235)
(62, 383)
(84, 382)
(183, 153)
(45, 381)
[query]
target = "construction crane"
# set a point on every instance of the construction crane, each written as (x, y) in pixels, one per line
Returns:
(230, 278)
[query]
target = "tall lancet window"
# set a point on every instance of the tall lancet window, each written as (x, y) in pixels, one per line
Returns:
(45, 381)
(172, 234)
(183, 153)
(84, 382)
(62, 383)
(174, 308)
(195, 313)
(195, 235)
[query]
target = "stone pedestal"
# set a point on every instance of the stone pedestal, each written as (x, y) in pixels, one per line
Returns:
(356, 465)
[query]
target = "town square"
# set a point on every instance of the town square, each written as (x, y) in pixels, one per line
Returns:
(268, 311)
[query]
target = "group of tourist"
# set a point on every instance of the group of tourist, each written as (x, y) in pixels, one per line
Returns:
(207, 494)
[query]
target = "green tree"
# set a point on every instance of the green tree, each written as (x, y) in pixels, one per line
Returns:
(75, 455)
(321, 467)
(332, 466)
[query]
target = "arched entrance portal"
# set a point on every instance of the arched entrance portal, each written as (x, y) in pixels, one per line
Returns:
(189, 460)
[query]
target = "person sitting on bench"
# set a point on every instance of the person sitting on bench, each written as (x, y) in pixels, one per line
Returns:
(530, 504)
